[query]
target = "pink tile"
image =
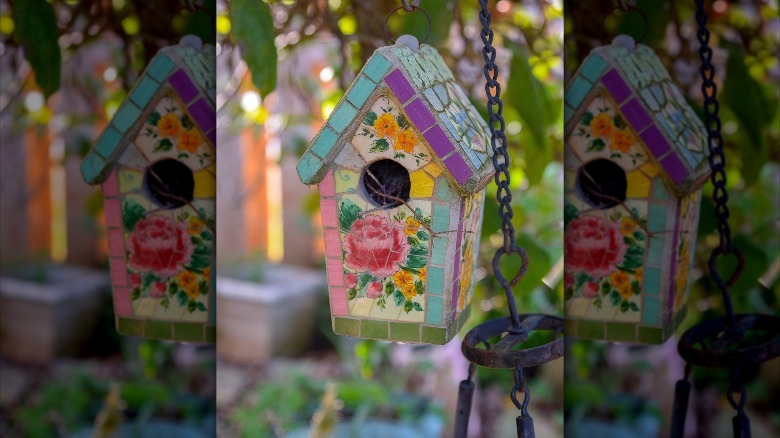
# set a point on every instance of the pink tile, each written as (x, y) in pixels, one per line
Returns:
(113, 213)
(118, 271)
(328, 185)
(122, 304)
(335, 271)
(330, 215)
(333, 243)
(111, 185)
(338, 301)
(116, 243)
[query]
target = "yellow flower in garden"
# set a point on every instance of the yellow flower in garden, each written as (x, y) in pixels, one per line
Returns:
(409, 291)
(169, 125)
(189, 282)
(639, 275)
(627, 226)
(411, 225)
(194, 225)
(622, 140)
(406, 141)
(622, 282)
(403, 278)
(423, 274)
(386, 126)
(189, 141)
(602, 125)
(206, 275)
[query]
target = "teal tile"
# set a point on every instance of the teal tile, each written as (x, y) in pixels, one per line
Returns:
(345, 326)
(656, 221)
(650, 311)
(593, 68)
(373, 329)
(568, 112)
(439, 250)
(188, 331)
(576, 91)
(125, 117)
(324, 142)
(108, 142)
(144, 90)
(157, 329)
(652, 281)
(307, 167)
(342, 117)
(361, 89)
(91, 168)
(160, 67)
(405, 331)
(660, 191)
(433, 311)
(377, 67)
(444, 193)
(435, 280)
(655, 252)
(441, 218)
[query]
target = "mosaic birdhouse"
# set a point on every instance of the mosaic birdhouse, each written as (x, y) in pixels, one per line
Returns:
(401, 165)
(155, 161)
(635, 159)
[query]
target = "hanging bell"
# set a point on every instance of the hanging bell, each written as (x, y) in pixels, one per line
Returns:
(635, 159)
(401, 165)
(156, 163)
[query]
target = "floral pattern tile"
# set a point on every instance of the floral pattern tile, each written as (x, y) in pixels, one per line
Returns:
(472, 223)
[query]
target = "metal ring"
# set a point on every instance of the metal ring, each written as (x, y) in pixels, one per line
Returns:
(626, 8)
(192, 8)
(506, 356)
(414, 8)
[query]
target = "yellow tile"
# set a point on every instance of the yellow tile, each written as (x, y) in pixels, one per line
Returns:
(433, 169)
(205, 184)
(422, 185)
(130, 180)
(649, 169)
(638, 185)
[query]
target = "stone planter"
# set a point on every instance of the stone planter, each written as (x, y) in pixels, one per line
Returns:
(258, 321)
(40, 320)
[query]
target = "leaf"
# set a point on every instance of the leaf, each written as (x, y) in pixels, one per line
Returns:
(570, 213)
(165, 303)
(535, 106)
(415, 262)
(419, 286)
(132, 212)
(596, 145)
(35, 27)
(402, 122)
(580, 279)
(203, 287)
(412, 240)
(186, 122)
(198, 262)
(422, 235)
(201, 306)
(624, 306)
(172, 288)
(618, 121)
(605, 288)
(206, 235)
(408, 306)
(164, 145)
(614, 298)
(398, 297)
(586, 118)
(154, 117)
(135, 293)
(252, 28)
(363, 280)
(636, 288)
(639, 236)
(147, 280)
(191, 306)
(351, 294)
(380, 145)
(182, 297)
(348, 214)
(369, 118)
(417, 306)
(389, 288)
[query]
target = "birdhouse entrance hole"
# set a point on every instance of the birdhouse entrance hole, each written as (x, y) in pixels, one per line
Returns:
(602, 183)
(387, 183)
(170, 183)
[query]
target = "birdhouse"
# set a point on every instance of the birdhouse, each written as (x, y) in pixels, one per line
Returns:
(635, 159)
(155, 161)
(401, 165)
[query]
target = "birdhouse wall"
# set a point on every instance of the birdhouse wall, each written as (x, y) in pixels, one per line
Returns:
(161, 227)
(622, 258)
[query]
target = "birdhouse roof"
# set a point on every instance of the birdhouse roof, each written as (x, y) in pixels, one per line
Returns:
(651, 104)
(417, 76)
(186, 69)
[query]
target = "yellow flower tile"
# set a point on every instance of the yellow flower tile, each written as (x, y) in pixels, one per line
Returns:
(433, 169)
(130, 180)
(205, 184)
(638, 185)
(649, 169)
(422, 185)
(346, 180)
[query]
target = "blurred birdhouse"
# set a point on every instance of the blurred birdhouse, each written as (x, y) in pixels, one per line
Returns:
(636, 158)
(401, 165)
(156, 164)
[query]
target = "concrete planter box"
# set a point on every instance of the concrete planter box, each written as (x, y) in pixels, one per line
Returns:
(40, 320)
(258, 321)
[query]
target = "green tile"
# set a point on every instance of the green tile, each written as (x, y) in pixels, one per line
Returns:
(91, 167)
(157, 329)
(125, 117)
(593, 67)
(590, 329)
(441, 218)
(405, 331)
(342, 116)
(650, 335)
(678, 319)
(652, 281)
(361, 89)
(130, 327)
(444, 193)
(377, 66)
(621, 331)
(434, 335)
(433, 310)
(345, 326)
(160, 67)
(108, 142)
(144, 90)
(324, 142)
(439, 250)
(656, 221)
(373, 329)
(307, 167)
(576, 91)
(211, 334)
(185, 331)
(570, 327)
(464, 316)
(650, 310)
(435, 280)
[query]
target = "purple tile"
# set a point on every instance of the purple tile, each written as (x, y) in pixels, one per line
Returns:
(212, 135)
(635, 114)
(399, 85)
(183, 86)
(655, 141)
(203, 114)
(438, 141)
(419, 114)
(675, 168)
(458, 168)
(616, 85)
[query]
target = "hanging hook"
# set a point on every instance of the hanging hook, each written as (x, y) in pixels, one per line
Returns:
(413, 6)
(409, 7)
(521, 386)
